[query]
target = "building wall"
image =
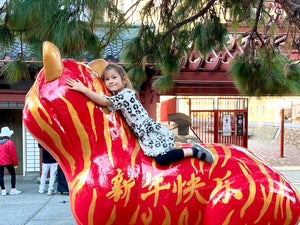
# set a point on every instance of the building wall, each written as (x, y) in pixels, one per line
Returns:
(268, 109)
(31, 154)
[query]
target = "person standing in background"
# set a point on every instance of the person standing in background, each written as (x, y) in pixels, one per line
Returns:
(8, 160)
(48, 163)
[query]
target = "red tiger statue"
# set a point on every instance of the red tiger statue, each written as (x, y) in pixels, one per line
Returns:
(111, 181)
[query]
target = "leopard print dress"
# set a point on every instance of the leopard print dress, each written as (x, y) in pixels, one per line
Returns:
(154, 138)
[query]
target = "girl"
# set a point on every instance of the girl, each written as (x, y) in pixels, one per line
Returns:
(155, 139)
(8, 160)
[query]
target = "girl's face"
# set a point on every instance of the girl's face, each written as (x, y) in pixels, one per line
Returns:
(113, 81)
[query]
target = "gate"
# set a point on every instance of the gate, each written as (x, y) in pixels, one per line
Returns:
(217, 119)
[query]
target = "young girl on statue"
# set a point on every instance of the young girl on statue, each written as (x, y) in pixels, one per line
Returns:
(155, 139)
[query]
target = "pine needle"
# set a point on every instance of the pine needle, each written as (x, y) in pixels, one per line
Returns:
(14, 71)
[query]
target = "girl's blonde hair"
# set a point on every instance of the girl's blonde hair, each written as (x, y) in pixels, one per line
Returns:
(121, 71)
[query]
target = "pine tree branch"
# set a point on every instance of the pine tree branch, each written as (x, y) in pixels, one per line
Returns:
(254, 32)
(292, 9)
(180, 24)
(109, 35)
(258, 12)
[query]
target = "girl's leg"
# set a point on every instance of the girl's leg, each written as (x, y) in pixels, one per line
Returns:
(11, 170)
(197, 151)
(2, 177)
(169, 157)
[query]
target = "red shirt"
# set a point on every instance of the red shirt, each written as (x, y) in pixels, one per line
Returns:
(8, 154)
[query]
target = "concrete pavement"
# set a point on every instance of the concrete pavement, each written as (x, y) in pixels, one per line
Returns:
(288, 165)
(33, 208)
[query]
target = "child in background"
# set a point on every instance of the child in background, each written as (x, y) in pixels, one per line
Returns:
(155, 139)
(8, 160)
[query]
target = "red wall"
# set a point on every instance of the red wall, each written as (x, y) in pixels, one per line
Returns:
(167, 107)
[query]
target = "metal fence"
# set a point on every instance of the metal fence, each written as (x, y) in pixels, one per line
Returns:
(217, 119)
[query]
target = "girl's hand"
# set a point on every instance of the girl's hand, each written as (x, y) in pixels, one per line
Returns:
(75, 85)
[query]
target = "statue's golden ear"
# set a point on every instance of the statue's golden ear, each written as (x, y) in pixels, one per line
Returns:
(53, 65)
(98, 65)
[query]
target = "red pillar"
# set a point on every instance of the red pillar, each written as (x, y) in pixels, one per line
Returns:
(216, 126)
(282, 134)
(149, 97)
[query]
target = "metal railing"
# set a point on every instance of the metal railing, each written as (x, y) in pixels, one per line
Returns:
(207, 118)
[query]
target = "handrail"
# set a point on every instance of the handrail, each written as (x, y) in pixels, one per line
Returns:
(196, 134)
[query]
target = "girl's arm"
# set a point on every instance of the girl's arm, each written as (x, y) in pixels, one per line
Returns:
(77, 85)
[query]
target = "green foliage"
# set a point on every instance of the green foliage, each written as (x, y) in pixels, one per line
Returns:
(91, 44)
(26, 16)
(240, 10)
(169, 30)
(133, 56)
(163, 83)
(264, 75)
(133, 52)
(14, 71)
(36, 46)
(70, 25)
(165, 59)
(6, 36)
(137, 76)
(169, 64)
(209, 35)
(168, 60)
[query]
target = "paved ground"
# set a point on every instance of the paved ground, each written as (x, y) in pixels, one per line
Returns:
(270, 152)
(288, 165)
(32, 208)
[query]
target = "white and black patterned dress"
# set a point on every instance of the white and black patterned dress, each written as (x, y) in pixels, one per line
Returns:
(154, 138)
